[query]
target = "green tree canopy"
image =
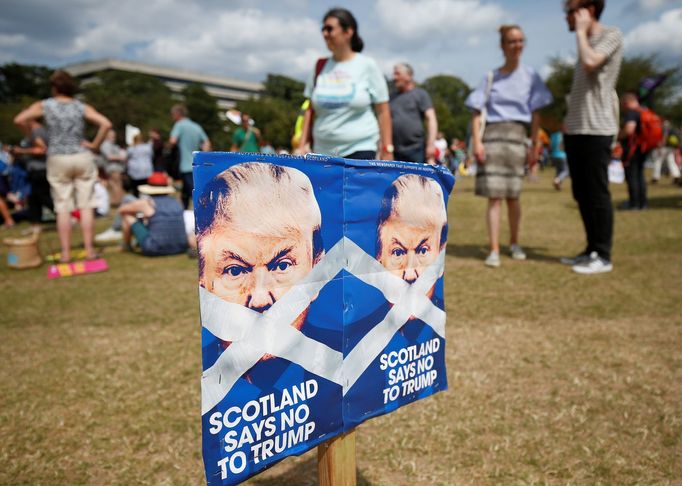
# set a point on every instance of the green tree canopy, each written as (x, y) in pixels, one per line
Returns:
(138, 99)
(276, 110)
(633, 70)
(284, 88)
(203, 109)
(448, 94)
(274, 117)
(19, 81)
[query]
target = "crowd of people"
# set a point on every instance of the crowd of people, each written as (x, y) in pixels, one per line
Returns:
(349, 112)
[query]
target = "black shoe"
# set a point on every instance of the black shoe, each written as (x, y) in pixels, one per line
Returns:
(626, 206)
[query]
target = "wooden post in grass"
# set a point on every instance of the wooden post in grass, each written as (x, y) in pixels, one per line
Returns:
(336, 461)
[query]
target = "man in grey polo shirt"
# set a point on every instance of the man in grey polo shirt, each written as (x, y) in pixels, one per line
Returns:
(410, 108)
(591, 124)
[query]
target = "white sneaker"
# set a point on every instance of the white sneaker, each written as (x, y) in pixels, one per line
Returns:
(493, 259)
(517, 252)
(594, 265)
(109, 236)
(575, 260)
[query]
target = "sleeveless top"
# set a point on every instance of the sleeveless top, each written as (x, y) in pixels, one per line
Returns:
(166, 229)
(65, 125)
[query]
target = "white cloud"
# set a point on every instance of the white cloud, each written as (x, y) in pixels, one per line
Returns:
(418, 21)
(662, 36)
(12, 40)
(246, 41)
(653, 4)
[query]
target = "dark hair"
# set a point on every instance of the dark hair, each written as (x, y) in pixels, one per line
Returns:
(63, 83)
(597, 4)
(347, 21)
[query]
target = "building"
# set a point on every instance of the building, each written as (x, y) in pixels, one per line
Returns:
(227, 90)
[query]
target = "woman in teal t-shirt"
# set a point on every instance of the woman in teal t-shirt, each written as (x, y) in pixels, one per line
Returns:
(345, 91)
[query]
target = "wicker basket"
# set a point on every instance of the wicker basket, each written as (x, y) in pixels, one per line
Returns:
(23, 252)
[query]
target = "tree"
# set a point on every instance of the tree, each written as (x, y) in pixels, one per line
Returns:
(559, 84)
(20, 85)
(19, 81)
(276, 110)
(203, 109)
(274, 117)
(632, 71)
(448, 94)
(138, 99)
(284, 88)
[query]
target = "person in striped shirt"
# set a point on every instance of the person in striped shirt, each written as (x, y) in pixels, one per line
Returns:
(591, 125)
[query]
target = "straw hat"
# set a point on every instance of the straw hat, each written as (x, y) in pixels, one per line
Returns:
(158, 184)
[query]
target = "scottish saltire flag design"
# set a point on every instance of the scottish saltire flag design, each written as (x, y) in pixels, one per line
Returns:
(321, 296)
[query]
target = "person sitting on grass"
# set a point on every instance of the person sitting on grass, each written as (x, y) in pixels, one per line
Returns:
(161, 229)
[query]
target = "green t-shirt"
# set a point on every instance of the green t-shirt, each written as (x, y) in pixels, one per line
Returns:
(250, 145)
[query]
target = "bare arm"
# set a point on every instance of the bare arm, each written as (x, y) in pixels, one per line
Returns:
(628, 129)
(479, 149)
(304, 142)
(590, 59)
(39, 148)
(96, 118)
(33, 112)
(206, 146)
(385, 129)
(133, 208)
(431, 131)
(535, 142)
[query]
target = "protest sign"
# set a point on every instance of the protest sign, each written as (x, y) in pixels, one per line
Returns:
(321, 296)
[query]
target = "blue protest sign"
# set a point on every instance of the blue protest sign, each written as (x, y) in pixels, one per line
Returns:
(321, 295)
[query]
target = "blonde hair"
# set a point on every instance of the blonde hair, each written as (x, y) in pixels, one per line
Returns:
(417, 201)
(137, 139)
(505, 29)
(261, 199)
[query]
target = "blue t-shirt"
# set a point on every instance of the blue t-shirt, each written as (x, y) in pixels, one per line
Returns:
(556, 143)
(514, 96)
(190, 138)
(342, 99)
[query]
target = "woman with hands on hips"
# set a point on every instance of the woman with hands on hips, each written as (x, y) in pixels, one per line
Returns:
(71, 169)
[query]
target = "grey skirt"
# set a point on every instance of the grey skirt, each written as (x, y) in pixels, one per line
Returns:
(505, 159)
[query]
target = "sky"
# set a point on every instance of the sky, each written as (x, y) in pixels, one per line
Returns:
(247, 39)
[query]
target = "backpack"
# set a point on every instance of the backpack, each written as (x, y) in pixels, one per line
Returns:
(650, 132)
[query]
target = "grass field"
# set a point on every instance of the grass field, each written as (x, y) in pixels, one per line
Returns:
(554, 377)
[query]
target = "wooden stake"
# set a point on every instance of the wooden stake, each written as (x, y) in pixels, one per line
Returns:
(336, 461)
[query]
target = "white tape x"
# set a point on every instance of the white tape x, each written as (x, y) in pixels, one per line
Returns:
(255, 334)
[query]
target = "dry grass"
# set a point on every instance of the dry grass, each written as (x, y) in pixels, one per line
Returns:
(554, 377)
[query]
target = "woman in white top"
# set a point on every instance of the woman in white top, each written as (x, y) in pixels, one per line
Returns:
(345, 92)
(140, 164)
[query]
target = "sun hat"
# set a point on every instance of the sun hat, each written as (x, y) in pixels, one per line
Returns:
(157, 184)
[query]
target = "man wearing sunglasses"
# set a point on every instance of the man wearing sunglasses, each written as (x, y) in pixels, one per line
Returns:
(591, 124)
